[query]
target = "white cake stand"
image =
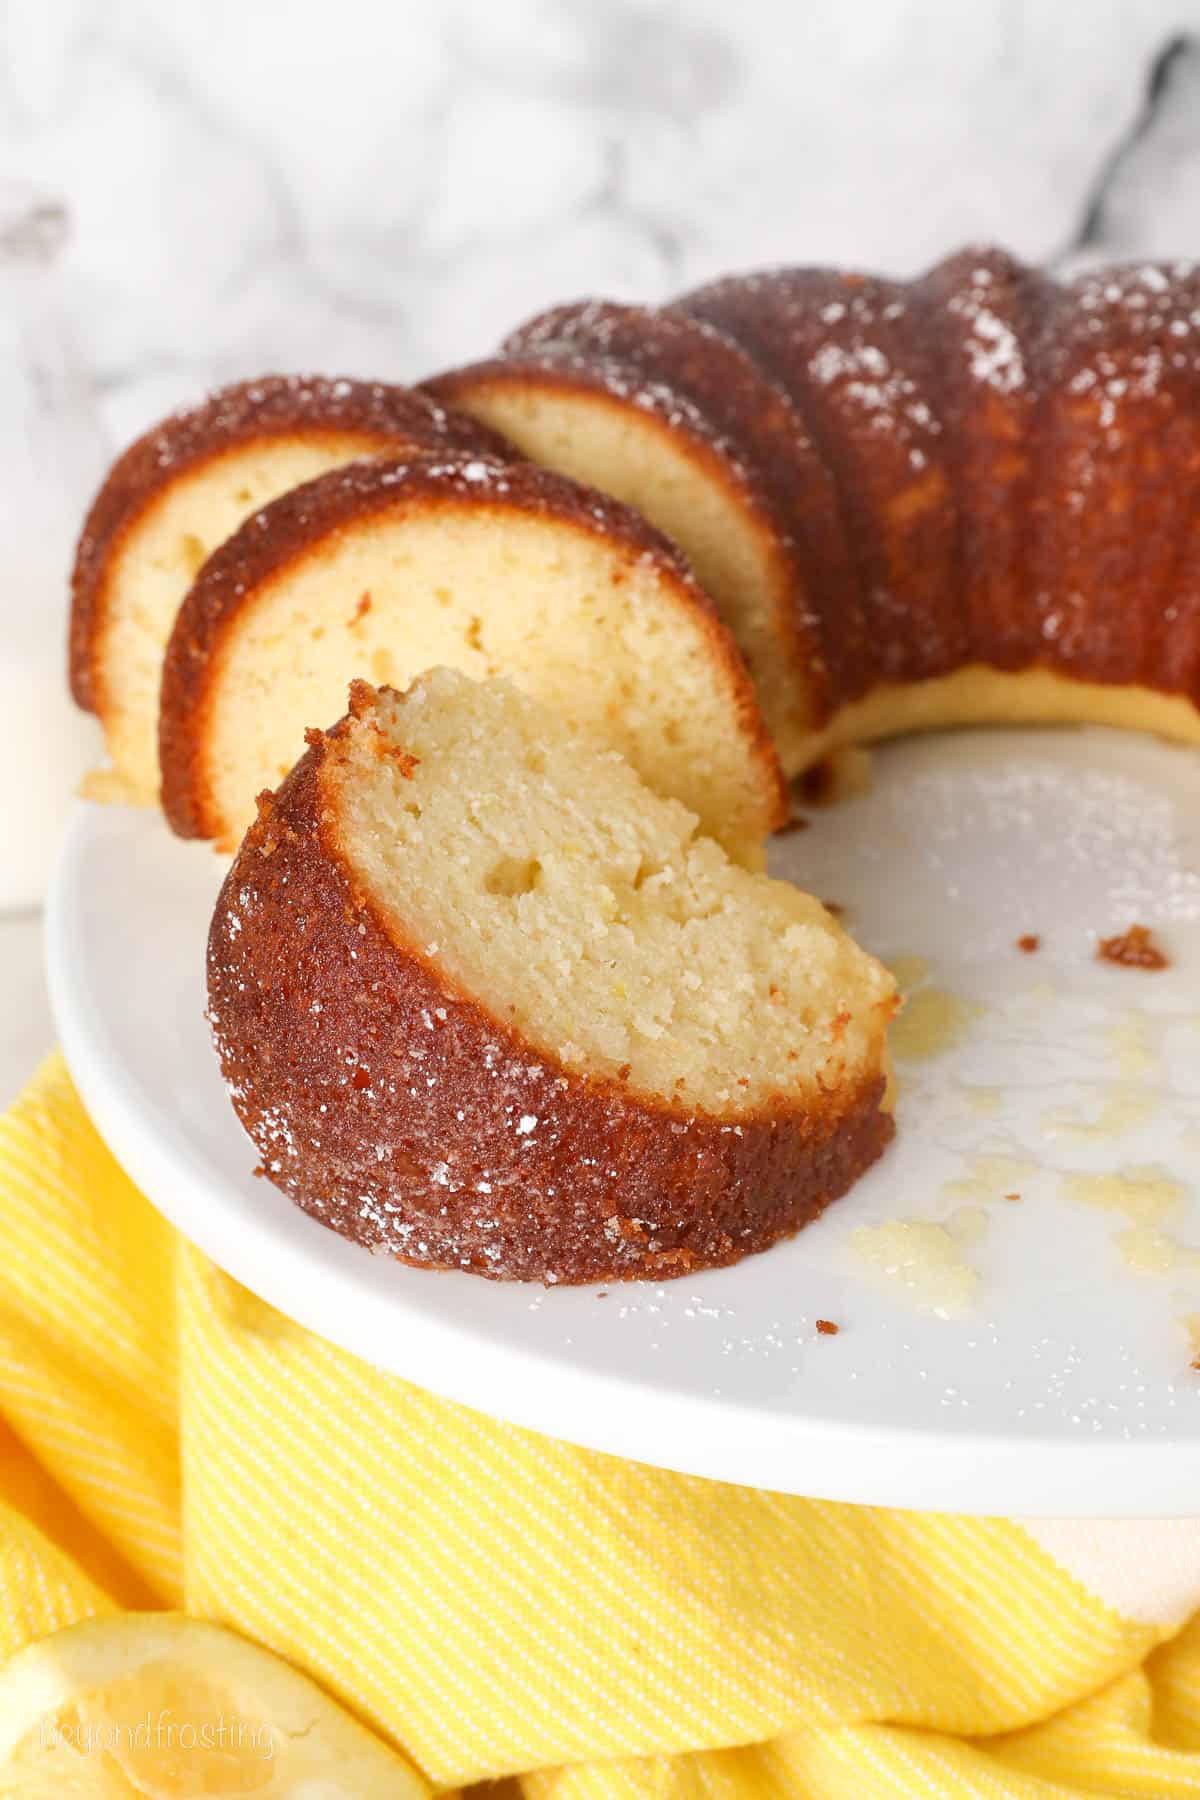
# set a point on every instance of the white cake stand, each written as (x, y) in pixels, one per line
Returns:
(1064, 1387)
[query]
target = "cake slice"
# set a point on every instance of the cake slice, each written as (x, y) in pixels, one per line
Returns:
(179, 492)
(846, 350)
(389, 567)
(485, 1001)
(670, 417)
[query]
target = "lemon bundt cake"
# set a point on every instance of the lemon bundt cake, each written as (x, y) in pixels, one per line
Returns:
(485, 1001)
(385, 568)
(483, 998)
(965, 499)
(178, 492)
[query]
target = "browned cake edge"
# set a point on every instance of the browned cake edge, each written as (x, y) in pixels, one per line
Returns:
(399, 1111)
(281, 534)
(274, 406)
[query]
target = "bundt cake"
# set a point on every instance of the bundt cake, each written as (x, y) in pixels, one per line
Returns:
(179, 492)
(483, 998)
(970, 498)
(388, 567)
(485, 1001)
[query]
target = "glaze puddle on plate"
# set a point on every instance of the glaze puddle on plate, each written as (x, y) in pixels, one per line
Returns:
(1044, 1090)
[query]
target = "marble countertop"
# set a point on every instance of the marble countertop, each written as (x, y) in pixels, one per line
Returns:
(394, 194)
(250, 188)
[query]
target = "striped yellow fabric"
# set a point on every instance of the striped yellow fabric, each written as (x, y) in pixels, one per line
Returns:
(497, 1603)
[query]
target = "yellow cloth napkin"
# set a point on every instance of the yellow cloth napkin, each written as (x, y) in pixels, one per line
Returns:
(494, 1602)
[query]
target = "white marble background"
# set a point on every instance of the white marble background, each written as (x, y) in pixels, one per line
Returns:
(382, 189)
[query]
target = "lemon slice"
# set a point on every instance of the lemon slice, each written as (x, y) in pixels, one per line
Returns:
(157, 1706)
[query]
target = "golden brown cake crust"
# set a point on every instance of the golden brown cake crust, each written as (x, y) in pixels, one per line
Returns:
(292, 406)
(398, 1111)
(986, 317)
(1010, 466)
(1048, 517)
(1116, 590)
(285, 530)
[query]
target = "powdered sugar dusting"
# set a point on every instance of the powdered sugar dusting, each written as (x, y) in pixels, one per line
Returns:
(994, 356)
(861, 362)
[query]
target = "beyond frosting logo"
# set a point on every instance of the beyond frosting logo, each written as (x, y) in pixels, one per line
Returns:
(162, 1731)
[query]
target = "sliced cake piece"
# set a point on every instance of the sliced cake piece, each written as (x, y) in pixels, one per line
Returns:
(664, 413)
(485, 1001)
(984, 317)
(848, 351)
(385, 568)
(179, 492)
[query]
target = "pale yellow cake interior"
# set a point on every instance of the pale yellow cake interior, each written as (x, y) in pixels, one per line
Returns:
(155, 565)
(619, 647)
(546, 881)
(631, 455)
(977, 695)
